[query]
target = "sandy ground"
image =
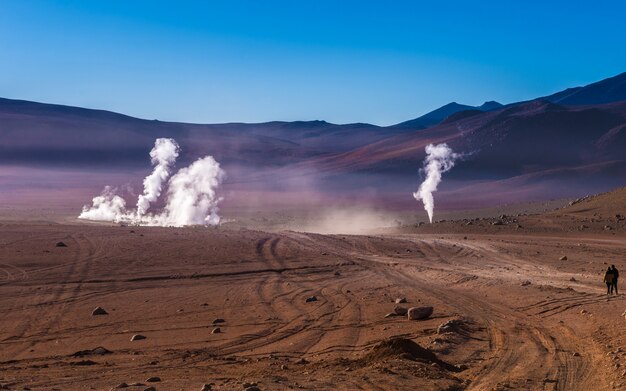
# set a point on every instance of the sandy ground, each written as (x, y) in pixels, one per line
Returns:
(526, 319)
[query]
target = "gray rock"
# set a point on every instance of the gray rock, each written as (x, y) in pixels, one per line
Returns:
(400, 310)
(99, 311)
(451, 326)
(417, 313)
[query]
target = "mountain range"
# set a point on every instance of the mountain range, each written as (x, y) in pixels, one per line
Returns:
(563, 145)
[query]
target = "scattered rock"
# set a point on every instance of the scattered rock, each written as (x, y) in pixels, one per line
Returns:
(122, 385)
(391, 315)
(61, 244)
(206, 387)
(525, 283)
(583, 311)
(451, 326)
(253, 388)
(99, 351)
(137, 337)
(218, 320)
(284, 367)
(400, 310)
(99, 311)
(302, 361)
(573, 279)
(311, 299)
(337, 273)
(153, 379)
(149, 389)
(563, 258)
(216, 330)
(608, 228)
(401, 300)
(576, 354)
(416, 313)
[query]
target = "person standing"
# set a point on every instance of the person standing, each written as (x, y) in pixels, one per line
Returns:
(608, 278)
(615, 277)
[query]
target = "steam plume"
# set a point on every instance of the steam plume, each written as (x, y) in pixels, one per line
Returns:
(191, 193)
(107, 206)
(163, 156)
(439, 159)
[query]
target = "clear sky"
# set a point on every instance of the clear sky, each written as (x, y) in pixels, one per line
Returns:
(381, 62)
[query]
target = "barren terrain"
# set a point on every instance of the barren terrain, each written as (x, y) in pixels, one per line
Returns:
(521, 318)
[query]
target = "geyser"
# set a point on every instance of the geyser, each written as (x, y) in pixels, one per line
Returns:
(439, 159)
(191, 196)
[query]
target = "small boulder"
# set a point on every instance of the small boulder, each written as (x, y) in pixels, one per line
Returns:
(311, 299)
(61, 244)
(525, 283)
(153, 379)
(451, 326)
(391, 315)
(137, 337)
(401, 300)
(218, 320)
(99, 311)
(417, 313)
(400, 310)
(122, 385)
(216, 330)
(206, 387)
(563, 258)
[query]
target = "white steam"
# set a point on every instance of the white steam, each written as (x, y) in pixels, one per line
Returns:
(163, 156)
(107, 207)
(191, 193)
(439, 159)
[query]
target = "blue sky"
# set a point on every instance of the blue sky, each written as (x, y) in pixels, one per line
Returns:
(341, 61)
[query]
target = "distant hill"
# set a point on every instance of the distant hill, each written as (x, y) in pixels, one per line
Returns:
(440, 114)
(40, 133)
(571, 143)
(608, 90)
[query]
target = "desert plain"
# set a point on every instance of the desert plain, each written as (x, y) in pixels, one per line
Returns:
(518, 304)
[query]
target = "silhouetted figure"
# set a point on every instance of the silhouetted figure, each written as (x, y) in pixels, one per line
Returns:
(608, 278)
(615, 277)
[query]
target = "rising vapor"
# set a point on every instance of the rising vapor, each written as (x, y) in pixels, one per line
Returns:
(439, 159)
(163, 156)
(191, 197)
